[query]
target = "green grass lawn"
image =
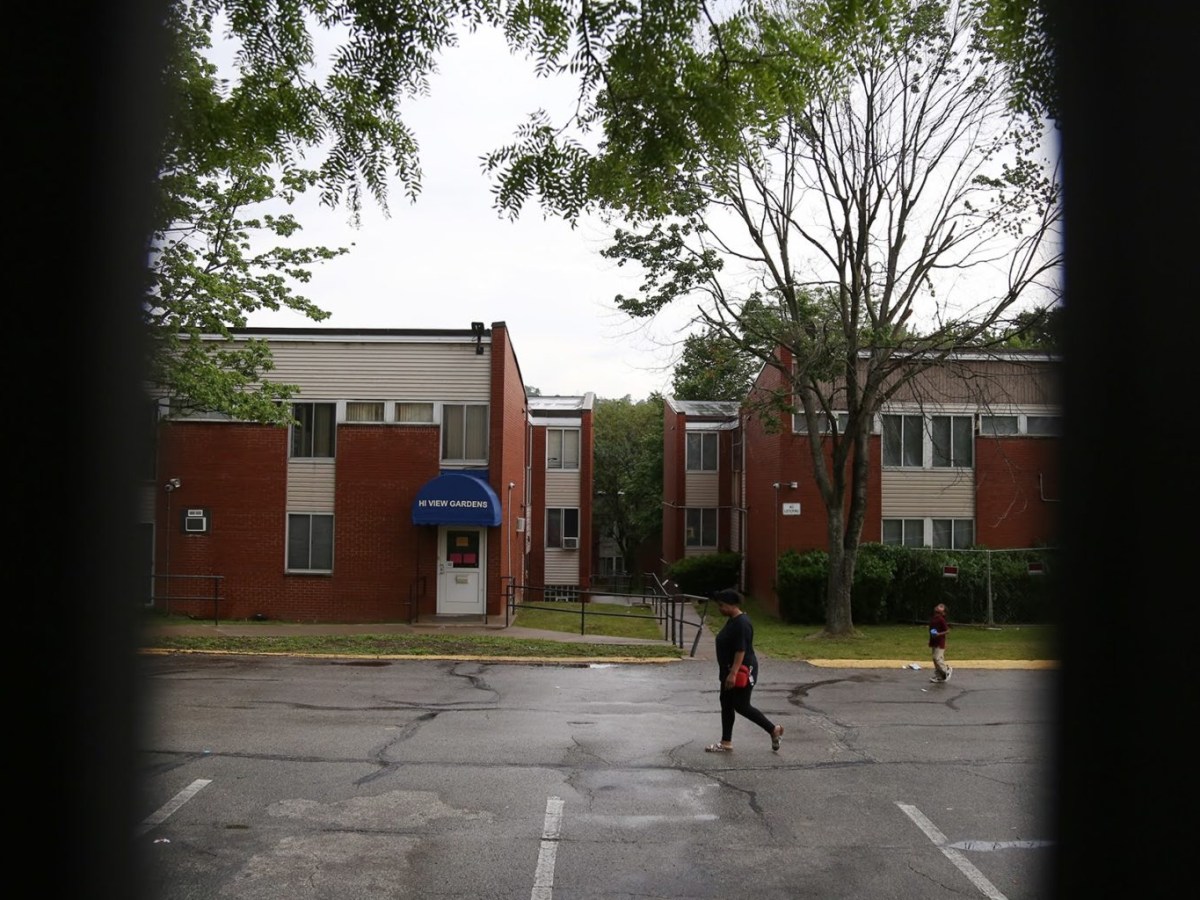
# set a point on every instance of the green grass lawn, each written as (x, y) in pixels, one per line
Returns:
(613, 619)
(772, 638)
(779, 640)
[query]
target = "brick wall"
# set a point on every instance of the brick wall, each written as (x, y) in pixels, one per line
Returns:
(1017, 491)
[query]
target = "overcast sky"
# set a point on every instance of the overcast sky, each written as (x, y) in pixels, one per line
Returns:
(448, 259)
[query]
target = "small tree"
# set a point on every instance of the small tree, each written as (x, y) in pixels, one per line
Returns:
(627, 458)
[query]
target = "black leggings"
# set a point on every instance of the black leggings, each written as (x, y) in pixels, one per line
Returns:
(737, 701)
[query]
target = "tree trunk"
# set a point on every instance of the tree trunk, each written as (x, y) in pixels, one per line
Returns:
(838, 620)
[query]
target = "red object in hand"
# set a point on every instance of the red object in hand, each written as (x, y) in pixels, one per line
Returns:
(742, 678)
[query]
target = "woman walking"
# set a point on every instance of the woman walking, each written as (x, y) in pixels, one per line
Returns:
(735, 649)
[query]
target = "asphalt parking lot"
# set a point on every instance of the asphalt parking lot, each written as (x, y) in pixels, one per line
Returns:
(296, 778)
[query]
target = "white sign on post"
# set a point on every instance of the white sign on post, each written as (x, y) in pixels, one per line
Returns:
(791, 509)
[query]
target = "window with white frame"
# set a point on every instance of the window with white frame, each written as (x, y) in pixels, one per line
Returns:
(364, 411)
(904, 532)
(1038, 425)
(1043, 425)
(310, 542)
(412, 413)
(700, 527)
(314, 431)
(953, 440)
(955, 534)
(612, 565)
(800, 426)
(562, 528)
(998, 425)
(562, 448)
(702, 451)
(903, 440)
(465, 432)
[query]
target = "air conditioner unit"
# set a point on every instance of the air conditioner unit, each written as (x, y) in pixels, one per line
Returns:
(520, 524)
(570, 543)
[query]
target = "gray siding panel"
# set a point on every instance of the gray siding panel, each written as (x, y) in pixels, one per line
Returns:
(562, 489)
(917, 493)
(310, 485)
(383, 371)
(562, 566)
(701, 489)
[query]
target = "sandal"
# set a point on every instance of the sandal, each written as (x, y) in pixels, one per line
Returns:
(718, 748)
(776, 737)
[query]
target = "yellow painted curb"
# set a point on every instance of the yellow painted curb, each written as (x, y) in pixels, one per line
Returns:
(956, 664)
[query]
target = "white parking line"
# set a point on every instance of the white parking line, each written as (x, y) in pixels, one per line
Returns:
(543, 878)
(175, 802)
(987, 846)
(963, 864)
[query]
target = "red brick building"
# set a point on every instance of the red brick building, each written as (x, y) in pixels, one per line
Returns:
(404, 492)
(965, 455)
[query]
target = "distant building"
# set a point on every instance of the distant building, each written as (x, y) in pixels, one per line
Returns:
(967, 455)
(559, 533)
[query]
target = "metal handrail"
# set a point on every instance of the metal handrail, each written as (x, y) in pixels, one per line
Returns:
(668, 609)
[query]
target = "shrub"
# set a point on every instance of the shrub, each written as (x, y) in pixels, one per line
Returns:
(874, 574)
(801, 585)
(702, 575)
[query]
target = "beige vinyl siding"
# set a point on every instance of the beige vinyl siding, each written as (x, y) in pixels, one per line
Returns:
(984, 382)
(562, 489)
(562, 566)
(310, 485)
(146, 497)
(701, 488)
(736, 514)
(453, 373)
(934, 493)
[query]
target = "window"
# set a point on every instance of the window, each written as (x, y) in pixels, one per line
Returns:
(562, 448)
(414, 413)
(364, 411)
(799, 426)
(953, 442)
(701, 528)
(903, 441)
(904, 532)
(956, 534)
(310, 543)
(562, 528)
(1043, 425)
(612, 565)
(465, 432)
(313, 433)
(702, 451)
(997, 424)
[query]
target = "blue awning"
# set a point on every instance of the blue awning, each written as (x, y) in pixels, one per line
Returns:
(456, 498)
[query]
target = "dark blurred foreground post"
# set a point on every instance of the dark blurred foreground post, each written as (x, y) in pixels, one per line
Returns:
(1124, 755)
(80, 131)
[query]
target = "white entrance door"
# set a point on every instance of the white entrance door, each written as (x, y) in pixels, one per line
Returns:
(462, 555)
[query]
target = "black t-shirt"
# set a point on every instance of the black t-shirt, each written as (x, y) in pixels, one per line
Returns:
(737, 634)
